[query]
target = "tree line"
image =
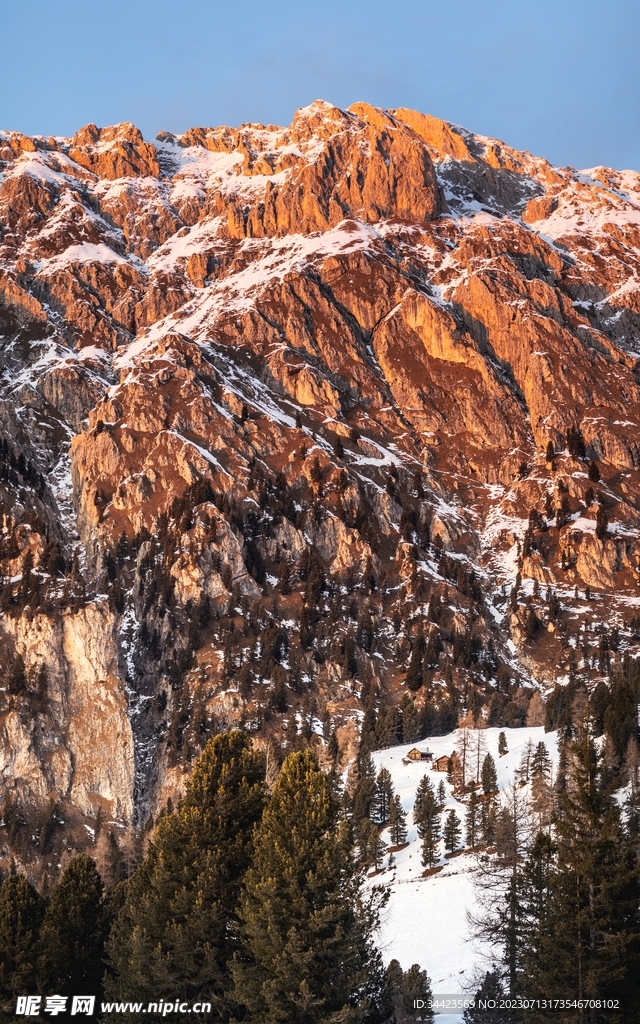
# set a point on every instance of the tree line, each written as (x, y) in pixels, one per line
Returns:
(252, 901)
(559, 891)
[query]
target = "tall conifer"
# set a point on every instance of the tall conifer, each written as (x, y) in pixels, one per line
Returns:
(21, 912)
(585, 941)
(176, 934)
(426, 816)
(397, 822)
(306, 926)
(383, 796)
(472, 820)
(452, 832)
(73, 932)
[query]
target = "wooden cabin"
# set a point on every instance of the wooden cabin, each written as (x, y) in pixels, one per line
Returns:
(418, 755)
(441, 764)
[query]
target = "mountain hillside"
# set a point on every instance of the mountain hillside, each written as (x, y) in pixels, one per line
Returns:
(330, 431)
(426, 920)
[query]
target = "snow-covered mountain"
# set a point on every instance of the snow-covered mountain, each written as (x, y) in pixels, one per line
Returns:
(337, 420)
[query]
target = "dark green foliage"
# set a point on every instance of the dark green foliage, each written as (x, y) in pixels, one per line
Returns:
(602, 523)
(452, 832)
(414, 678)
(594, 472)
(308, 952)
(489, 776)
(558, 713)
(397, 822)
(405, 989)
(540, 762)
(175, 934)
(17, 676)
(563, 513)
(21, 913)
(383, 796)
(488, 820)
(585, 937)
(73, 932)
(370, 845)
(575, 443)
(598, 704)
(531, 625)
(389, 727)
(472, 820)
(620, 718)
(464, 578)
(333, 748)
(553, 605)
(427, 817)
(487, 1003)
(534, 882)
(411, 721)
(365, 791)
(502, 744)
(442, 794)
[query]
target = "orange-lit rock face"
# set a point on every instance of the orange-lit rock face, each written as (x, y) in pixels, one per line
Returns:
(346, 343)
(116, 152)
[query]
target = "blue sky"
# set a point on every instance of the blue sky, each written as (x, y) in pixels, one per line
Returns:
(555, 77)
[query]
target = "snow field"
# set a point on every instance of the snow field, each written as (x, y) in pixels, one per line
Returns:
(425, 921)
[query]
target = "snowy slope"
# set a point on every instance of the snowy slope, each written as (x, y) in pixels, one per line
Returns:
(426, 918)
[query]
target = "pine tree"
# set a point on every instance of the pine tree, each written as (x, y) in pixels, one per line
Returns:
(333, 748)
(452, 832)
(499, 918)
(602, 523)
(472, 821)
(397, 822)
(369, 844)
(176, 932)
(632, 777)
(536, 894)
(406, 987)
(427, 817)
(365, 789)
(526, 762)
(383, 796)
(541, 793)
(73, 932)
(540, 761)
(375, 848)
(21, 913)
(425, 800)
(489, 776)
(307, 929)
(415, 676)
(442, 795)
(502, 745)
(587, 940)
(109, 860)
(487, 1003)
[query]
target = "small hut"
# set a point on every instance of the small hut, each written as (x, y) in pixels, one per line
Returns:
(441, 764)
(418, 755)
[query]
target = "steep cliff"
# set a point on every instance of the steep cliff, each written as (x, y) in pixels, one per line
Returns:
(329, 423)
